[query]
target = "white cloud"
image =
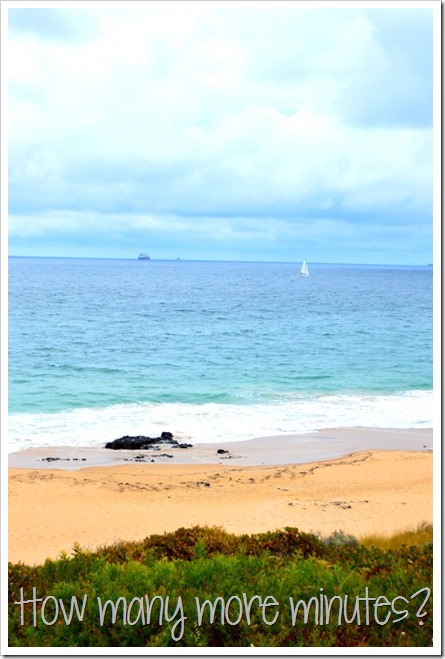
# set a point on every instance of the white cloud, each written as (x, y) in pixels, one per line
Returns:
(178, 112)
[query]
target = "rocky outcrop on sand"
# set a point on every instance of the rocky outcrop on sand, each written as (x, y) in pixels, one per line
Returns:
(141, 443)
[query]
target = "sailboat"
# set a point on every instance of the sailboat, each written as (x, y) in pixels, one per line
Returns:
(304, 272)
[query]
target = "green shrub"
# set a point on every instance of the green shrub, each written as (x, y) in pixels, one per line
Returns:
(340, 538)
(170, 571)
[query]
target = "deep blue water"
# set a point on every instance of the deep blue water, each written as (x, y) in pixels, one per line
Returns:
(247, 348)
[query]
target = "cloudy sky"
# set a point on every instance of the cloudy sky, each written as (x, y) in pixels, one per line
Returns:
(256, 131)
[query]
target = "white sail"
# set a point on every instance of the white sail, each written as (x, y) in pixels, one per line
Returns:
(304, 272)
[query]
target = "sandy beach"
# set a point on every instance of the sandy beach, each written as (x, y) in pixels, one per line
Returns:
(95, 497)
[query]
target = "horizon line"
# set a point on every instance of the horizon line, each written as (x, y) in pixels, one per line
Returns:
(197, 260)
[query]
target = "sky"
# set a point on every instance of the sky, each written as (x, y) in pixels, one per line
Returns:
(259, 131)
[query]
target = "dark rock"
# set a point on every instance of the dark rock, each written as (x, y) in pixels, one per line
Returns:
(221, 450)
(142, 443)
(51, 459)
(184, 445)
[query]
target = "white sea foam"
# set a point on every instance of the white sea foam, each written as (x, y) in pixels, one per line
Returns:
(212, 423)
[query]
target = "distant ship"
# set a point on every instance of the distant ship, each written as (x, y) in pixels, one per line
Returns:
(143, 257)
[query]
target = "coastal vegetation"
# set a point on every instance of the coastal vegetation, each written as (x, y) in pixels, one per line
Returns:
(419, 535)
(204, 587)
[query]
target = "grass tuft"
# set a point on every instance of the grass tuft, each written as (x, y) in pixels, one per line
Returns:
(414, 537)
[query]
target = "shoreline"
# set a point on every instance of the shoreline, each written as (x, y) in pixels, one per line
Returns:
(263, 451)
(372, 490)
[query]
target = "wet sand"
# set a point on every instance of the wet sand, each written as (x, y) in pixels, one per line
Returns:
(285, 449)
(260, 485)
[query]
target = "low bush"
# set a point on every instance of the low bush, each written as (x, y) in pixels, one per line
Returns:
(280, 589)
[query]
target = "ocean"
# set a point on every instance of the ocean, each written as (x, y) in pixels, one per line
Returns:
(213, 351)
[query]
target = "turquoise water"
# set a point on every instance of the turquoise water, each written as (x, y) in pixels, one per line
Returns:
(210, 350)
